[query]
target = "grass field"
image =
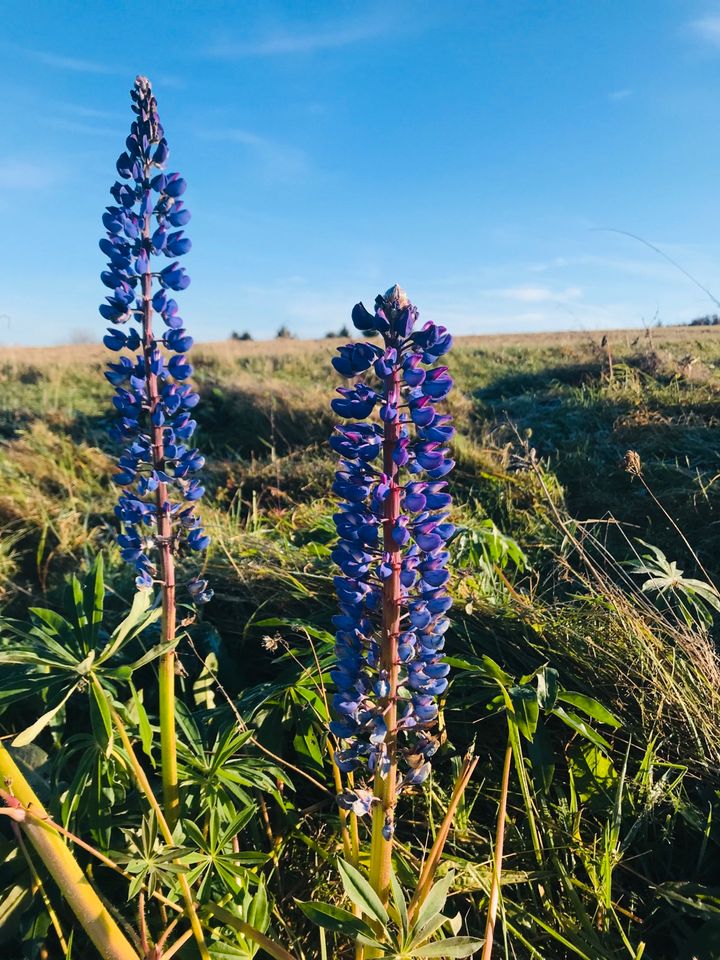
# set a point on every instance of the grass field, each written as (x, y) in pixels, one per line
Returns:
(613, 838)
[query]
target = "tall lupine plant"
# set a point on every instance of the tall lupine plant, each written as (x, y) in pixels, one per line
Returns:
(153, 399)
(393, 531)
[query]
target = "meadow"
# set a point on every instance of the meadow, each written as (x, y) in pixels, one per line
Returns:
(586, 502)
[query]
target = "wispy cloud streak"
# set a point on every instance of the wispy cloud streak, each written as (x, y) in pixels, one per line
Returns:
(279, 161)
(93, 67)
(26, 175)
(707, 29)
(71, 63)
(287, 41)
(537, 294)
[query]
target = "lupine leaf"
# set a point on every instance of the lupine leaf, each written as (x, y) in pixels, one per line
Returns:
(452, 947)
(526, 709)
(400, 902)
(580, 726)
(144, 728)
(547, 687)
(95, 597)
(425, 932)
(140, 616)
(56, 622)
(152, 654)
(334, 918)
(434, 903)
(361, 893)
(78, 598)
(99, 709)
(29, 733)
(590, 706)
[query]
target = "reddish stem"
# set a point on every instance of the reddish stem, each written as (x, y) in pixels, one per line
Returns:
(166, 564)
(385, 788)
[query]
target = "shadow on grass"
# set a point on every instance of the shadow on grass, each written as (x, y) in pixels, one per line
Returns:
(582, 425)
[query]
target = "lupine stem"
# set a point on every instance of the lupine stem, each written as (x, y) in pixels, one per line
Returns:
(62, 866)
(151, 397)
(144, 785)
(393, 596)
(385, 786)
(242, 926)
(168, 743)
(38, 885)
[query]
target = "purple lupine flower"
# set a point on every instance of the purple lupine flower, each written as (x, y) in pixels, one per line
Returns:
(152, 399)
(393, 529)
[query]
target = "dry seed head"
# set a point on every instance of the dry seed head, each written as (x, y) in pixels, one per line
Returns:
(633, 463)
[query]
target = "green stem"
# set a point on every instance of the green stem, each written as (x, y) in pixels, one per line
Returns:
(168, 739)
(228, 918)
(144, 785)
(40, 886)
(245, 928)
(74, 886)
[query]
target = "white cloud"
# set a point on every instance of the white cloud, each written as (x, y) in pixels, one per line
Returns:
(72, 63)
(297, 41)
(707, 29)
(26, 175)
(85, 129)
(88, 113)
(537, 294)
(80, 65)
(279, 161)
(620, 94)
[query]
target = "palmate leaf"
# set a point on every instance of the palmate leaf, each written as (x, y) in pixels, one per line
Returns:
(548, 683)
(259, 910)
(400, 903)
(81, 616)
(579, 725)
(451, 948)
(95, 598)
(39, 643)
(101, 720)
(434, 902)
(144, 728)
(593, 708)
(359, 891)
(29, 733)
(14, 901)
(152, 654)
(526, 709)
(227, 951)
(54, 624)
(142, 614)
(330, 917)
(425, 933)
(705, 591)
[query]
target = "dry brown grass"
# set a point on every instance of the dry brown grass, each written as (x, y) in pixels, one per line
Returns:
(620, 341)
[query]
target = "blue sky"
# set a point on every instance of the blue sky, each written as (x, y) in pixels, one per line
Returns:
(477, 153)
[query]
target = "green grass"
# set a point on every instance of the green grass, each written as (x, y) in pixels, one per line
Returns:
(544, 425)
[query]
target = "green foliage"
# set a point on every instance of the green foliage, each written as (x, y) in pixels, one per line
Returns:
(694, 599)
(57, 655)
(391, 934)
(604, 674)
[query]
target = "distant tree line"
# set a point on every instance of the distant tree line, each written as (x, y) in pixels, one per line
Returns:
(709, 320)
(285, 333)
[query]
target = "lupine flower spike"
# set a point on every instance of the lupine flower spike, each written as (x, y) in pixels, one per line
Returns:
(154, 401)
(393, 529)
